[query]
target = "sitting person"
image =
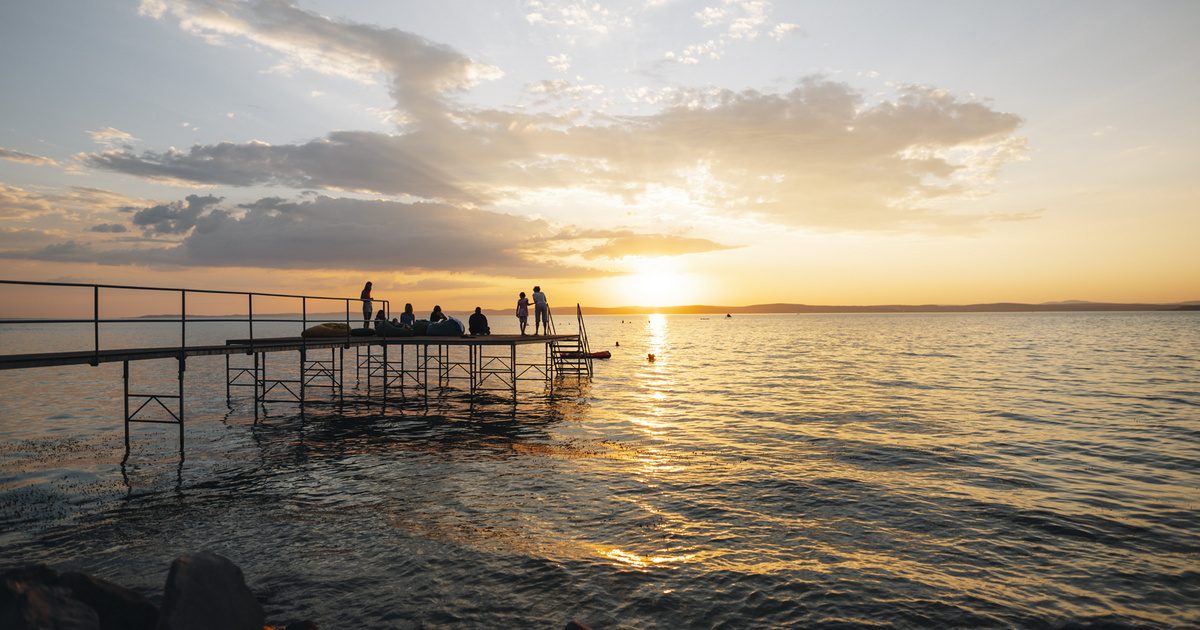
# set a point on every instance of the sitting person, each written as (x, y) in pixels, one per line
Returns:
(380, 317)
(408, 317)
(448, 327)
(437, 315)
(478, 323)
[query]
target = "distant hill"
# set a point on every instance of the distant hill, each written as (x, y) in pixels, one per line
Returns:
(779, 307)
(993, 307)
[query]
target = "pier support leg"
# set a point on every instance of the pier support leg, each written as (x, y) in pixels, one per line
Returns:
(125, 377)
(257, 384)
(341, 376)
(183, 364)
(228, 393)
(385, 375)
(512, 370)
(303, 362)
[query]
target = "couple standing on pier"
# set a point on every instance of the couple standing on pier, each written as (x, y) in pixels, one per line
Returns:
(541, 311)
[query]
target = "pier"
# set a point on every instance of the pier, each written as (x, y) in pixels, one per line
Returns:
(383, 369)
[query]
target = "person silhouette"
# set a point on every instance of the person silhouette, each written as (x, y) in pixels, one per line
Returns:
(523, 312)
(477, 324)
(541, 311)
(367, 309)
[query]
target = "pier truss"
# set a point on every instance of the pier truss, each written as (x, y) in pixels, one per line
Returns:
(303, 371)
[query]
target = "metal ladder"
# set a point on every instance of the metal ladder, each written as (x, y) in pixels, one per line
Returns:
(561, 351)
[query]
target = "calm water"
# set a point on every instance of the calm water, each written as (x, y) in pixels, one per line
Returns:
(766, 471)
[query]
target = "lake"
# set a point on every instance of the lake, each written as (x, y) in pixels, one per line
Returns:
(911, 470)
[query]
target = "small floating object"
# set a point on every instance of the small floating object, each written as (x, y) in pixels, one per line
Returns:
(650, 357)
(728, 316)
(602, 354)
(618, 344)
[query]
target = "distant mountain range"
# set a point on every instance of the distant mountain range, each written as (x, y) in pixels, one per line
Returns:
(780, 307)
(993, 307)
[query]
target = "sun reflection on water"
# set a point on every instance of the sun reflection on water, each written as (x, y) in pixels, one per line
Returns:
(642, 562)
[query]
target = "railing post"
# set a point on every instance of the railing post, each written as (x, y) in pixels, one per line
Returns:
(183, 318)
(96, 324)
(250, 315)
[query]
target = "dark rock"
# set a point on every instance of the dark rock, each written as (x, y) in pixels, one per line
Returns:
(302, 625)
(119, 608)
(575, 625)
(28, 605)
(32, 574)
(205, 591)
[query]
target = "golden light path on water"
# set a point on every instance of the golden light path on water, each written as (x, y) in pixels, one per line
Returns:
(654, 384)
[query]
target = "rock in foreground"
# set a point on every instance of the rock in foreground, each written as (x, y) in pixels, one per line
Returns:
(205, 591)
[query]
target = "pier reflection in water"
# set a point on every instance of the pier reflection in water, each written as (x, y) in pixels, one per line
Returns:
(924, 470)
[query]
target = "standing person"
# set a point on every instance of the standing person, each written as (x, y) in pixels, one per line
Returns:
(366, 304)
(437, 315)
(408, 316)
(522, 312)
(541, 311)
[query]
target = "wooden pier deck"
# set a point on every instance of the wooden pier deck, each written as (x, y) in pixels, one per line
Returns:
(269, 344)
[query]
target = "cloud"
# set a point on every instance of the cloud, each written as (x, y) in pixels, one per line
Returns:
(417, 164)
(24, 204)
(25, 238)
(781, 30)
(110, 228)
(176, 217)
(26, 158)
(419, 73)
(327, 233)
(440, 284)
(630, 244)
(735, 20)
(574, 19)
(111, 137)
(353, 234)
(561, 63)
(819, 155)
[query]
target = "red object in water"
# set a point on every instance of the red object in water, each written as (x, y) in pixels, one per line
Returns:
(603, 354)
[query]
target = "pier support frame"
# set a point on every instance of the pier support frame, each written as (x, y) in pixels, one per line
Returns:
(154, 401)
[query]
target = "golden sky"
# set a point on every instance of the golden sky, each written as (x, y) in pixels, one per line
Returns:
(634, 153)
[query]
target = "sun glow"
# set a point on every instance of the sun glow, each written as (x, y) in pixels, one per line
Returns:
(655, 282)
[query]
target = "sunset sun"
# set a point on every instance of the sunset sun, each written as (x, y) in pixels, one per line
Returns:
(656, 282)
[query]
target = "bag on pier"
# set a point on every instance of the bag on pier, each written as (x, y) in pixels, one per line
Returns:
(449, 327)
(388, 329)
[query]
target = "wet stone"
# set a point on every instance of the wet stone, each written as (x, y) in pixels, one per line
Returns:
(205, 590)
(118, 607)
(31, 605)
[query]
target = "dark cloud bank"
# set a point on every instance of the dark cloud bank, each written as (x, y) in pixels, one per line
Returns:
(340, 233)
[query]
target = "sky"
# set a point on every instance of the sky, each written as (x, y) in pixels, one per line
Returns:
(650, 152)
